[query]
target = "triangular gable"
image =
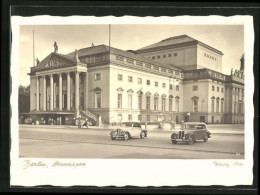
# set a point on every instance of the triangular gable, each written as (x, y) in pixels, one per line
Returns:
(55, 60)
(120, 89)
(130, 91)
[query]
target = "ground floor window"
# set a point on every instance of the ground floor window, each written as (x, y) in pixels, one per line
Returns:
(98, 100)
(130, 117)
(195, 105)
(139, 118)
(148, 118)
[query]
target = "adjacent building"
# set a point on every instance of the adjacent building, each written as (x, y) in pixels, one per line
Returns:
(178, 78)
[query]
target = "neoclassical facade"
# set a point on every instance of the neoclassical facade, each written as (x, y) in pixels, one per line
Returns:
(176, 79)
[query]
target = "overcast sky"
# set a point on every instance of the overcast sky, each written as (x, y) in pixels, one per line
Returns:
(227, 38)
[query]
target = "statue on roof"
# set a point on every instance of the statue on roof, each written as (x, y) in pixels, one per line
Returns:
(37, 61)
(76, 55)
(92, 45)
(231, 71)
(55, 47)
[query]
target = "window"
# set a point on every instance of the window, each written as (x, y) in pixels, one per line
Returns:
(130, 61)
(130, 79)
(217, 105)
(130, 101)
(139, 63)
(139, 80)
(175, 54)
(163, 103)
(177, 88)
(170, 104)
(148, 118)
(155, 117)
(139, 102)
(195, 105)
(239, 108)
(158, 57)
(119, 77)
(156, 83)
(217, 89)
(164, 85)
(170, 86)
(155, 103)
(195, 88)
(120, 117)
(163, 69)
(147, 66)
(98, 100)
(139, 118)
(169, 55)
(213, 88)
(153, 57)
(222, 90)
(177, 105)
(119, 101)
(147, 102)
(222, 106)
(212, 105)
(130, 117)
(119, 58)
(148, 82)
(97, 77)
(156, 67)
(164, 56)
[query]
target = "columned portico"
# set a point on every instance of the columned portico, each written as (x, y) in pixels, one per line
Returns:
(37, 93)
(60, 91)
(51, 92)
(44, 93)
(68, 90)
(86, 91)
(77, 93)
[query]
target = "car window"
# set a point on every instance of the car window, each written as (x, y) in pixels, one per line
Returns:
(190, 127)
(136, 125)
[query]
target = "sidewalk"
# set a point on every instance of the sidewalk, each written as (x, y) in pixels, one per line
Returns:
(214, 129)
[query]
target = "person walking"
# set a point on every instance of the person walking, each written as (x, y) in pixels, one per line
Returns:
(86, 123)
(172, 125)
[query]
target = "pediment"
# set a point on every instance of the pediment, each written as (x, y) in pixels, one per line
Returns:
(55, 60)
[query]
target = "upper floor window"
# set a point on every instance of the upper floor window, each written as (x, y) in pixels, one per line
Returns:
(170, 86)
(119, 100)
(164, 85)
(155, 103)
(195, 88)
(163, 103)
(120, 58)
(158, 57)
(169, 55)
(175, 54)
(130, 79)
(156, 83)
(148, 82)
(119, 77)
(98, 99)
(97, 76)
(177, 88)
(130, 61)
(222, 90)
(195, 105)
(153, 57)
(170, 104)
(217, 89)
(148, 102)
(130, 97)
(213, 88)
(156, 67)
(147, 66)
(164, 56)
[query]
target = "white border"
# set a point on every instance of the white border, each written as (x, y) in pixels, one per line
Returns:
(100, 172)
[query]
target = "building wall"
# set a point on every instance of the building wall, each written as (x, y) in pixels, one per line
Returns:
(186, 56)
(32, 93)
(208, 59)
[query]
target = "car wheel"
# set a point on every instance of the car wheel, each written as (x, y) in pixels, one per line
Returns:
(174, 141)
(205, 138)
(112, 138)
(191, 140)
(126, 136)
(142, 135)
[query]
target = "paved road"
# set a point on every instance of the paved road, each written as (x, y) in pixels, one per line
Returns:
(96, 143)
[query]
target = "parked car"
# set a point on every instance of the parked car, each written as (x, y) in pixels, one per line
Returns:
(129, 130)
(191, 132)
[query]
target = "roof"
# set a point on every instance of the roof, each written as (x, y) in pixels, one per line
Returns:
(177, 40)
(105, 49)
(194, 123)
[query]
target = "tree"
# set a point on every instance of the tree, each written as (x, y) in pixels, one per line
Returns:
(24, 99)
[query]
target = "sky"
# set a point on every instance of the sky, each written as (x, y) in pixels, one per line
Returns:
(227, 38)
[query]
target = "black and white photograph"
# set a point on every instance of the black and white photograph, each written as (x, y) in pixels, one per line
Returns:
(158, 96)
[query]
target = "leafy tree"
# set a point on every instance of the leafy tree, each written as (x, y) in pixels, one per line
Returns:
(24, 99)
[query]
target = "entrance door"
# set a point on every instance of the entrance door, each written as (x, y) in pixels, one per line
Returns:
(186, 118)
(65, 101)
(202, 119)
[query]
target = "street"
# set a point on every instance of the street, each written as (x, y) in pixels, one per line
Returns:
(51, 142)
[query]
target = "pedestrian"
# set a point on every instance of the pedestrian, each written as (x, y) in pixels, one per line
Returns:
(172, 125)
(86, 123)
(145, 125)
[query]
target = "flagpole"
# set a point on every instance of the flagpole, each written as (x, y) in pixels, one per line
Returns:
(33, 50)
(109, 36)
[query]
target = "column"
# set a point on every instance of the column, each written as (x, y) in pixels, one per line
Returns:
(68, 91)
(60, 91)
(86, 92)
(77, 93)
(51, 92)
(37, 93)
(44, 93)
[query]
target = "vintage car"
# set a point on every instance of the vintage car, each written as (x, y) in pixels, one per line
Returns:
(129, 130)
(191, 132)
